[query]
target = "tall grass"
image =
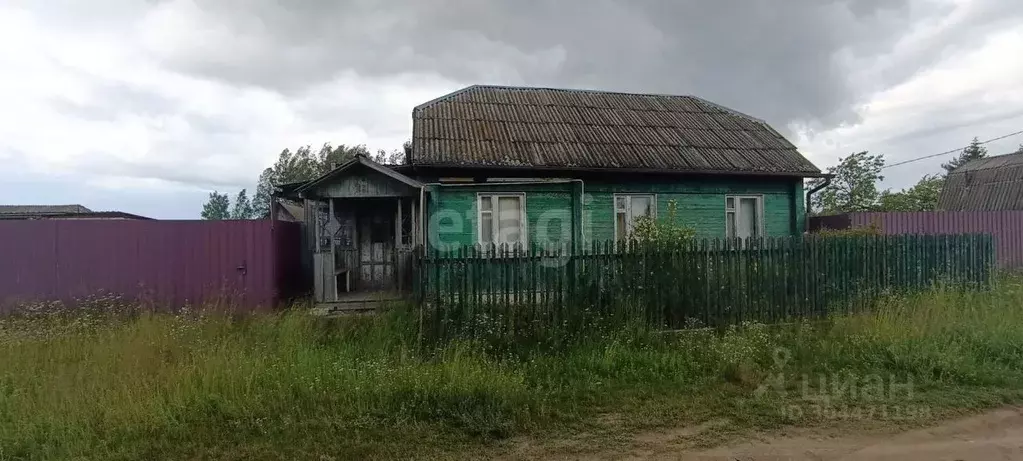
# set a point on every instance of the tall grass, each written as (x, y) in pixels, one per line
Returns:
(212, 386)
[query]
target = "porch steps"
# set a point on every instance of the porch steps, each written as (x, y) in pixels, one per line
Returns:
(352, 307)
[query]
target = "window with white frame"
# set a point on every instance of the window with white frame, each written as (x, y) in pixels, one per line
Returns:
(628, 209)
(744, 216)
(502, 219)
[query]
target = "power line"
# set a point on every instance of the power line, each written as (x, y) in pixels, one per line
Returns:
(950, 151)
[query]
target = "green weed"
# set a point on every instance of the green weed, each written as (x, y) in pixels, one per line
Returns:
(133, 384)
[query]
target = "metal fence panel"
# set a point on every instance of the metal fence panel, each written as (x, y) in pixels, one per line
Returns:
(238, 264)
(1005, 226)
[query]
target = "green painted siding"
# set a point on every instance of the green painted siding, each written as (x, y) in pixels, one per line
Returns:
(548, 212)
(800, 197)
(701, 205)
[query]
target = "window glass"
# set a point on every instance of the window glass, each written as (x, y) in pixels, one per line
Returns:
(500, 219)
(640, 206)
(487, 226)
(509, 211)
(620, 202)
(747, 220)
(629, 208)
(621, 229)
(742, 216)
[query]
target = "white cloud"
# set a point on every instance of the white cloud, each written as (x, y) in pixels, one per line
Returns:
(95, 104)
(970, 93)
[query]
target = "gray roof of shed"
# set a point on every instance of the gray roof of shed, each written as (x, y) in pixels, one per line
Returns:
(987, 184)
(41, 210)
(514, 127)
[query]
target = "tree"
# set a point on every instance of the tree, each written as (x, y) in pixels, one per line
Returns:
(394, 157)
(303, 165)
(853, 187)
(974, 151)
(242, 208)
(921, 197)
(300, 165)
(264, 190)
(1020, 150)
(329, 158)
(217, 207)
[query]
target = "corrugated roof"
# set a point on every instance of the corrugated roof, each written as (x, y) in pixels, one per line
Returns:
(41, 210)
(987, 184)
(295, 209)
(498, 126)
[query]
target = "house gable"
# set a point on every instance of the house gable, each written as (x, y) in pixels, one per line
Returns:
(360, 177)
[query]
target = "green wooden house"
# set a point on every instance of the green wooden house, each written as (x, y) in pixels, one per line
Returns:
(539, 166)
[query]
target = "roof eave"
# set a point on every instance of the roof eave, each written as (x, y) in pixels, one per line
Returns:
(799, 174)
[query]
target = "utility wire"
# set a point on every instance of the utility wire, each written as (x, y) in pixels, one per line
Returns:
(951, 151)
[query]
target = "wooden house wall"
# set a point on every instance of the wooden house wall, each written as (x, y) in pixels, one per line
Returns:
(700, 205)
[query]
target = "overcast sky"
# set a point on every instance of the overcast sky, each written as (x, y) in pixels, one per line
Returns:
(146, 106)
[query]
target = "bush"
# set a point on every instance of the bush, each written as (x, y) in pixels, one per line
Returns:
(859, 231)
(665, 232)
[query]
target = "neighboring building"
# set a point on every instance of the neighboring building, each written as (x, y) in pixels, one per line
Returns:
(38, 211)
(289, 210)
(535, 166)
(283, 208)
(60, 212)
(987, 184)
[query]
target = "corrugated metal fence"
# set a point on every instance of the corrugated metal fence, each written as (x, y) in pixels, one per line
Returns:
(1005, 226)
(165, 264)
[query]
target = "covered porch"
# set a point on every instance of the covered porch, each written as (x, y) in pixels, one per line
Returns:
(365, 223)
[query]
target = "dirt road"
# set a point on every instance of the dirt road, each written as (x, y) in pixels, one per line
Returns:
(996, 435)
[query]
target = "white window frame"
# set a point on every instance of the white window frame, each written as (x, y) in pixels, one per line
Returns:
(495, 224)
(735, 209)
(628, 211)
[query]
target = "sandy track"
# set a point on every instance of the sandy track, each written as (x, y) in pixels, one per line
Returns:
(992, 436)
(996, 435)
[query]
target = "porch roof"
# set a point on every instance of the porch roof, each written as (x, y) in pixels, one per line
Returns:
(346, 169)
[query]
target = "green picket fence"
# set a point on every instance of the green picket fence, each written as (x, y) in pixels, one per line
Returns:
(474, 291)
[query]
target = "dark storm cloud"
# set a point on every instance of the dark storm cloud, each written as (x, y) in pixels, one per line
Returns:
(776, 59)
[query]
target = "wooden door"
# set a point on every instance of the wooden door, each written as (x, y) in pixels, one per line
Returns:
(376, 249)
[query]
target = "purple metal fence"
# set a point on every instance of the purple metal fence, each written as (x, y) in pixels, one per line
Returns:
(1005, 226)
(166, 264)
